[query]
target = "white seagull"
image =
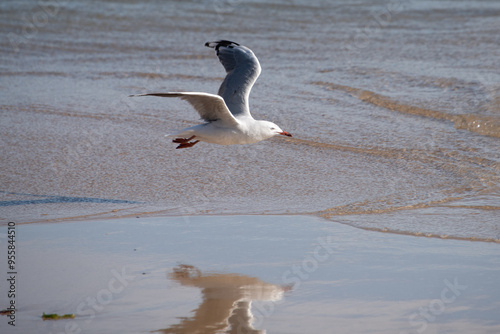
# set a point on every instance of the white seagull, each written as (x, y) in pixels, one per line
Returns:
(227, 115)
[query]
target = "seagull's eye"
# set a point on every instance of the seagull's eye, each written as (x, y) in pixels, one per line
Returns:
(273, 128)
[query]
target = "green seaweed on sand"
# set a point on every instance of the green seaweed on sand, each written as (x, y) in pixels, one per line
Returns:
(55, 316)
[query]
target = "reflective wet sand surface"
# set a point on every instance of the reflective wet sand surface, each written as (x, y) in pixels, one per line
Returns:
(250, 274)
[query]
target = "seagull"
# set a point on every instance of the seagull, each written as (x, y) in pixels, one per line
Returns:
(227, 115)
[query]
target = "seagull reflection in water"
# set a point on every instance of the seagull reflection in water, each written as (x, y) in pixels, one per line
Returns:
(226, 305)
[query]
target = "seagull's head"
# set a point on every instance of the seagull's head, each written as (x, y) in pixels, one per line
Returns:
(269, 129)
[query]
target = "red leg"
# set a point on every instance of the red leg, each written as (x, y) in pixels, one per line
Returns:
(186, 145)
(182, 140)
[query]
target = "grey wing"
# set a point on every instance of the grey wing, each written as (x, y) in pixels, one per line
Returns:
(242, 68)
(211, 107)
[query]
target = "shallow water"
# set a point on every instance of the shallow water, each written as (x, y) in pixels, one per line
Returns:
(283, 274)
(394, 107)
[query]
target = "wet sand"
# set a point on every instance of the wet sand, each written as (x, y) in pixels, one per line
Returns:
(233, 274)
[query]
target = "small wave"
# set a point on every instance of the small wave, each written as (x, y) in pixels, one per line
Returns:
(429, 235)
(153, 75)
(388, 207)
(47, 109)
(484, 125)
(35, 73)
(378, 207)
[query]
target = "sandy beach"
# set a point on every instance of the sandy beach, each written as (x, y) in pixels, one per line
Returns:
(379, 215)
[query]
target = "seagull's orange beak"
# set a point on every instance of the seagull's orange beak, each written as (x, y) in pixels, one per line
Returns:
(284, 133)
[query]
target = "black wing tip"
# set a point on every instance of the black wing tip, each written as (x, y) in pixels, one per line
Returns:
(217, 44)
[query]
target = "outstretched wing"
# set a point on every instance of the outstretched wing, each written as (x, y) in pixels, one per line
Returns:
(242, 68)
(210, 107)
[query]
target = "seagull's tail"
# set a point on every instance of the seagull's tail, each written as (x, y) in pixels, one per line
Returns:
(185, 133)
(174, 134)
